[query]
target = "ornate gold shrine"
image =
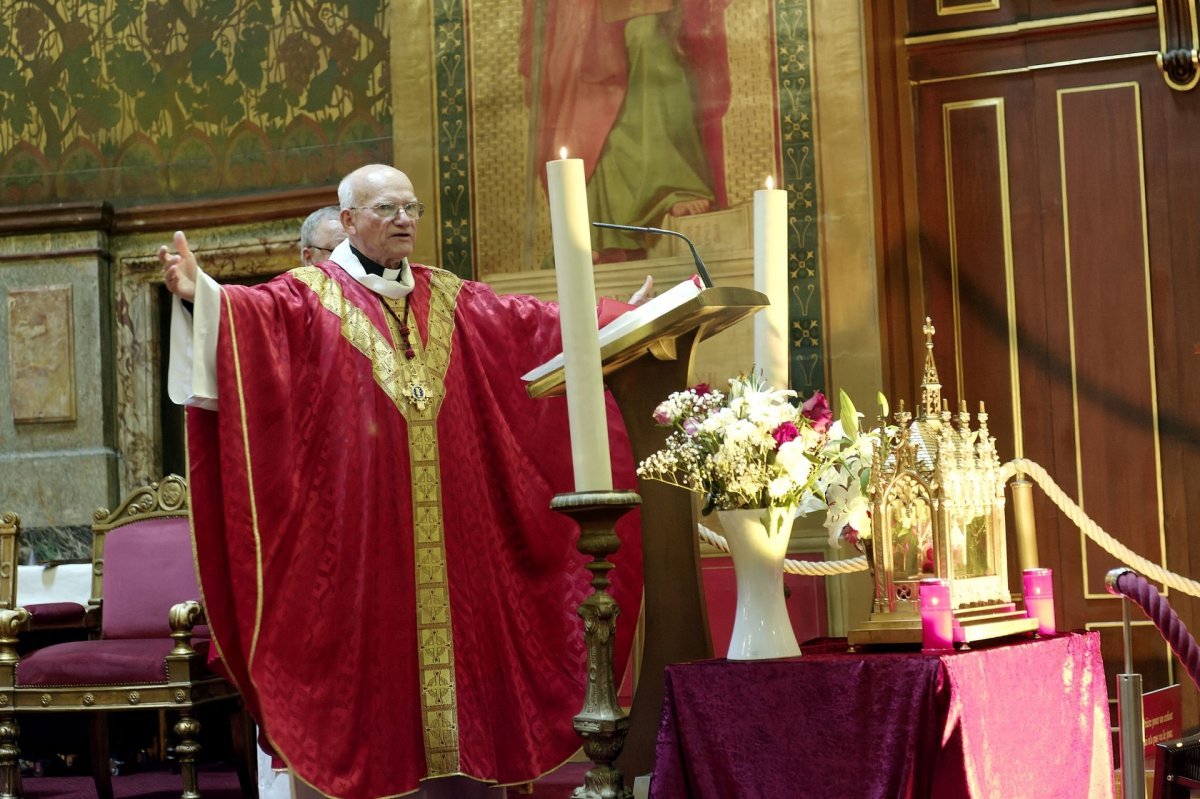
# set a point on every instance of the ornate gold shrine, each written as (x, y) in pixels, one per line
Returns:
(937, 507)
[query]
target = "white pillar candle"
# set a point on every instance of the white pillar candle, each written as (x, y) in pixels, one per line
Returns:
(771, 278)
(577, 315)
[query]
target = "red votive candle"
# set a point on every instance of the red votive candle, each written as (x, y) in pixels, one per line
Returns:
(1039, 599)
(937, 619)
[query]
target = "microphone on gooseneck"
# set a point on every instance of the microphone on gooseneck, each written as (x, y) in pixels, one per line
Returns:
(695, 255)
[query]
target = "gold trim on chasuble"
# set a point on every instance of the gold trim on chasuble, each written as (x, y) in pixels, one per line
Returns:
(417, 387)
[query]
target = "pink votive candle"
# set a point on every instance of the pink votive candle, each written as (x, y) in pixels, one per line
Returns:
(937, 618)
(1039, 599)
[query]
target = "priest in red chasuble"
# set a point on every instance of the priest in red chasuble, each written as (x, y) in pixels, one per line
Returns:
(370, 487)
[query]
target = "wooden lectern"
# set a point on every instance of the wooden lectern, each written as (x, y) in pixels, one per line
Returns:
(641, 368)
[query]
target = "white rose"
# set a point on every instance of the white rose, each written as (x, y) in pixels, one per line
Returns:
(794, 460)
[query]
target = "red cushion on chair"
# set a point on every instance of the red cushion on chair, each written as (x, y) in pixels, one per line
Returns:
(55, 614)
(114, 662)
(148, 567)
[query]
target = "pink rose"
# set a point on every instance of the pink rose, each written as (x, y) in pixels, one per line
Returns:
(784, 433)
(662, 414)
(816, 409)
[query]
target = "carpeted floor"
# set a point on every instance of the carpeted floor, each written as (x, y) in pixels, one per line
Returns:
(220, 783)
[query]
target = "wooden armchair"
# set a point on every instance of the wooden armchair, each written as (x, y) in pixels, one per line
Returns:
(149, 647)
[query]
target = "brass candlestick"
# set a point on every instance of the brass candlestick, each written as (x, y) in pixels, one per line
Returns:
(601, 723)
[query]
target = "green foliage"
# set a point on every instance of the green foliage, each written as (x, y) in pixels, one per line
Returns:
(155, 97)
(361, 14)
(16, 107)
(124, 14)
(221, 9)
(127, 69)
(208, 63)
(849, 416)
(247, 58)
(172, 67)
(258, 14)
(320, 89)
(273, 102)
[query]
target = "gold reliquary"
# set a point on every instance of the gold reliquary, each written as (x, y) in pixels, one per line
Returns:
(937, 510)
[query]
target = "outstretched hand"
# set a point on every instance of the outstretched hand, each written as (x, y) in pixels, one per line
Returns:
(641, 294)
(179, 268)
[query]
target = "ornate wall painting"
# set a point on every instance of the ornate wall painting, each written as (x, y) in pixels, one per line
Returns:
(145, 102)
(677, 108)
(41, 354)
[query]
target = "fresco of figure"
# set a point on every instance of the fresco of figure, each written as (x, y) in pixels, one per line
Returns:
(638, 90)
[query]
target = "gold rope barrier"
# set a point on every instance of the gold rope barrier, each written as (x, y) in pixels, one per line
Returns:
(818, 568)
(1056, 495)
(1147, 568)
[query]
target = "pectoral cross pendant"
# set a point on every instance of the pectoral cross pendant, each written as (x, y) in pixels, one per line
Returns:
(417, 394)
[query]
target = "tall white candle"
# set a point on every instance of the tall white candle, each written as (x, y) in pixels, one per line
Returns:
(577, 315)
(771, 278)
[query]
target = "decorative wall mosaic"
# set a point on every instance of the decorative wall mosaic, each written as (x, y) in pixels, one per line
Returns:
(508, 95)
(154, 100)
(794, 57)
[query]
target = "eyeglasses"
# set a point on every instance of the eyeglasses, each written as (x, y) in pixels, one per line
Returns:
(390, 211)
(322, 249)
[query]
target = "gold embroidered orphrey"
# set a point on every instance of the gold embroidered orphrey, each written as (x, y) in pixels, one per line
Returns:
(417, 387)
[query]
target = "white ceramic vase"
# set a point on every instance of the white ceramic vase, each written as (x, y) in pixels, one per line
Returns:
(758, 541)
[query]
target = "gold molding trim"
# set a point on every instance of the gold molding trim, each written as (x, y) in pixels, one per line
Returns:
(988, 5)
(1153, 377)
(1026, 26)
(996, 103)
(1038, 67)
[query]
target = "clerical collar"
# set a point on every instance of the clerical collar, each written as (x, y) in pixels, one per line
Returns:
(392, 283)
(376, 268)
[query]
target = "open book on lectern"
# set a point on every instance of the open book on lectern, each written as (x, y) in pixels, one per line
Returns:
(630, 320)
(682, 316)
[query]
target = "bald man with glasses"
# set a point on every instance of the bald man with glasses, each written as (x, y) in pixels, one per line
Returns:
(382, 574)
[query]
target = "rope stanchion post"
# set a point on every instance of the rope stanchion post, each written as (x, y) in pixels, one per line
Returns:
(1026, 528)
(1129, 703)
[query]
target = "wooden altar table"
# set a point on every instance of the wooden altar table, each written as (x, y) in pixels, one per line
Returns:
(1022, 719)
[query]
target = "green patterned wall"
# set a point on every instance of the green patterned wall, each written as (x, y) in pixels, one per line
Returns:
(175, 99)
(794, 58)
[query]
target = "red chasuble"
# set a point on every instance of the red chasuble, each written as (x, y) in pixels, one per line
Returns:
(382, 573)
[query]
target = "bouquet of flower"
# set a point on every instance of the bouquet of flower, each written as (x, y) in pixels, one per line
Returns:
(748, 448)
(841, 488)
(753, 447)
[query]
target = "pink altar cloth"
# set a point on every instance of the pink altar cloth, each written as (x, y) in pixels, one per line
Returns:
(1023, 719)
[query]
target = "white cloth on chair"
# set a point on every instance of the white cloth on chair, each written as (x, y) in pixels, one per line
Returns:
(69, 582)
(280, 785)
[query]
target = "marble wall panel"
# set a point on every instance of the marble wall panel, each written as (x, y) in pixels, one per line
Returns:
(56, 472)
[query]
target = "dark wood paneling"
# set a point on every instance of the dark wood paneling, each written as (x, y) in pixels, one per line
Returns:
(1042, 9)
(1106, 262)
(892, 167)
(976, 150)
(1111, 343)
(955, 15)
(930, 16)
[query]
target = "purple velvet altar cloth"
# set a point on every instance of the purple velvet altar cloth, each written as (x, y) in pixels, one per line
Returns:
(1025, 719)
